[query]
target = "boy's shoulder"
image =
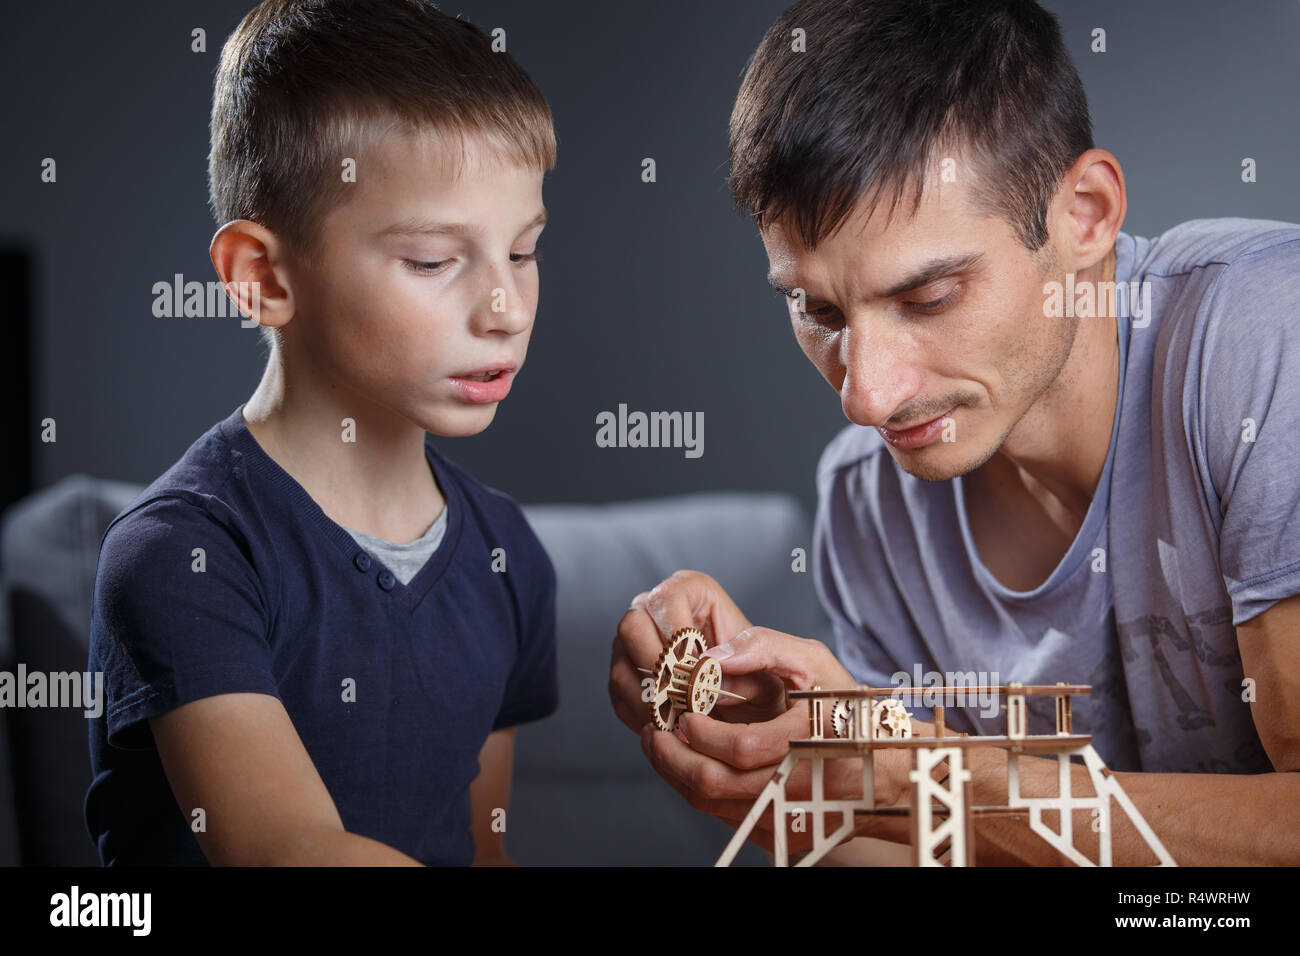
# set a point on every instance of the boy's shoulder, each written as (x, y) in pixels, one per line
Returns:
(197, 482)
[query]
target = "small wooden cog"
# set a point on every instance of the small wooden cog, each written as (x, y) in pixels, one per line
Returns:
(685, 680)
(842, 713)
(890, 717)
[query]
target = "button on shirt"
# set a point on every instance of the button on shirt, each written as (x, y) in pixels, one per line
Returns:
(225, 576)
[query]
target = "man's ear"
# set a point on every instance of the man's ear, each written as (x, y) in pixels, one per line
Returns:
(248, 260)
(1088, 209)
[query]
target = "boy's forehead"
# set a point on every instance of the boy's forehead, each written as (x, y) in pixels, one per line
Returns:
(401, 172)
(441, 156)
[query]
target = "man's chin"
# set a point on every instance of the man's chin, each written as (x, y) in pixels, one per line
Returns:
(938, 461)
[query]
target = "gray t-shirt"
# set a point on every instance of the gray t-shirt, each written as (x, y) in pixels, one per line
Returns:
(1194, 527)
(404, 560)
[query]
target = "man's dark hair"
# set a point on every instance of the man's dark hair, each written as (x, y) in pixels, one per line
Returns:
(884, 88)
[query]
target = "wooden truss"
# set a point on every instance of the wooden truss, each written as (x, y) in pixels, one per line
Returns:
(941, 808)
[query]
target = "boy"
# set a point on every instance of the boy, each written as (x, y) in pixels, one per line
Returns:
(317, 632)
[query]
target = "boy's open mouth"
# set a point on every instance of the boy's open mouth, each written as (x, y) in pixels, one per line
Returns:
(487, 373)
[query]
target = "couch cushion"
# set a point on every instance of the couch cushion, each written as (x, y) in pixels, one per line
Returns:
(49, 546)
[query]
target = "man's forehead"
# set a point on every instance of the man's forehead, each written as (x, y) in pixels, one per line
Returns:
(882, 254)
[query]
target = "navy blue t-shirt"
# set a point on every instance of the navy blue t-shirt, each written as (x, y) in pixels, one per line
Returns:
(393, 688)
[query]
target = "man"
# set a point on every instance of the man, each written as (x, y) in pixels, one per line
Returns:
(1074, 453)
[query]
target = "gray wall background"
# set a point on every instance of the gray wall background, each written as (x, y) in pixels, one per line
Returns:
(652, 294)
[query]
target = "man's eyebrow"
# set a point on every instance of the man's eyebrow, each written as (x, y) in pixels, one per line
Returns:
(934, 269)
(927, 273)
(425, 227)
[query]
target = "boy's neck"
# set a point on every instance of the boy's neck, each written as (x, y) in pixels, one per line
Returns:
(379, 483)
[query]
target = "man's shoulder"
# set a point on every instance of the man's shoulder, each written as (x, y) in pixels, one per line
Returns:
(1201, 243)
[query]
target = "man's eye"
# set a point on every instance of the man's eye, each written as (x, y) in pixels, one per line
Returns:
(425, 268)
(815, 315)
(934, 306)
(521, 257)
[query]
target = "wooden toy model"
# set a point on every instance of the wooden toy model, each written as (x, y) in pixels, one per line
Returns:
(684, 679)
(941, 807)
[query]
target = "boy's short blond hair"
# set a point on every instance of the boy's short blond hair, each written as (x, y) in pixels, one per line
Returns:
(305, 84)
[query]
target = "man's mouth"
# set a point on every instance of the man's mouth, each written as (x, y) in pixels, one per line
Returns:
(917, 435)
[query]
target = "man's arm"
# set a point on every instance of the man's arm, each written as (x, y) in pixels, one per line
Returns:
(239, 758)
(489, 796)
(1202, 819)
(1213, 819)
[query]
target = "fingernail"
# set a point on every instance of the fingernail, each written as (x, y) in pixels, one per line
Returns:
(681, 735)
(721, 651)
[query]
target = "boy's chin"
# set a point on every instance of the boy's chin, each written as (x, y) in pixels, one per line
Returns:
(461, 423)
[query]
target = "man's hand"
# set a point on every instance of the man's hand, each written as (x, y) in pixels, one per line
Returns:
(687, 599)
(721, 762)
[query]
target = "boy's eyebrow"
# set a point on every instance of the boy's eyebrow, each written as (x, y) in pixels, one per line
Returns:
(425, 227)
(924, 275)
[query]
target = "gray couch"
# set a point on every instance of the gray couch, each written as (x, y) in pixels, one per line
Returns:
(583, 792)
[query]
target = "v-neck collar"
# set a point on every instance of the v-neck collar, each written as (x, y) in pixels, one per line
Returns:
(408, 596)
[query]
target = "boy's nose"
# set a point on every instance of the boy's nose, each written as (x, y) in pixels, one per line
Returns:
(506, 309)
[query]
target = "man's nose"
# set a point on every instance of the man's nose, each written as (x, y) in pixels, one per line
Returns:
(879, 377)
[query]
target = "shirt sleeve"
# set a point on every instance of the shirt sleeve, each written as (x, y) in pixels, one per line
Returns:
(179, 613)
(1250, 405)
(532, 690)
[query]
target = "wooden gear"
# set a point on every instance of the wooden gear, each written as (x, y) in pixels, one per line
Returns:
(685, 680)
(890, 718)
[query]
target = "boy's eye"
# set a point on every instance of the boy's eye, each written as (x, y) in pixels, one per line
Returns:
(425, 268)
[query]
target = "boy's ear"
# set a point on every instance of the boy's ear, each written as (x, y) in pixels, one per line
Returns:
(246, 256)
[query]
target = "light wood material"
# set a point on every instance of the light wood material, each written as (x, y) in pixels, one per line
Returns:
(941, 808)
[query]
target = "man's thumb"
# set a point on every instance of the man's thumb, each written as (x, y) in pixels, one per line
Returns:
(763, 649)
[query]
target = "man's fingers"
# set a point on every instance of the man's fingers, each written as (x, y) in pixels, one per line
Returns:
(682, 600)
(802, 662)
(745, 746)
(639, 637)
(625, 694)
(704, 777)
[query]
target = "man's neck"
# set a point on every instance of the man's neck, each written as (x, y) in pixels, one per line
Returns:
(379, 482)
(1058, 450)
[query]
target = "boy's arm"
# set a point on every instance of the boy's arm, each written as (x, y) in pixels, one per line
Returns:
(239, 758)
(489, 796)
